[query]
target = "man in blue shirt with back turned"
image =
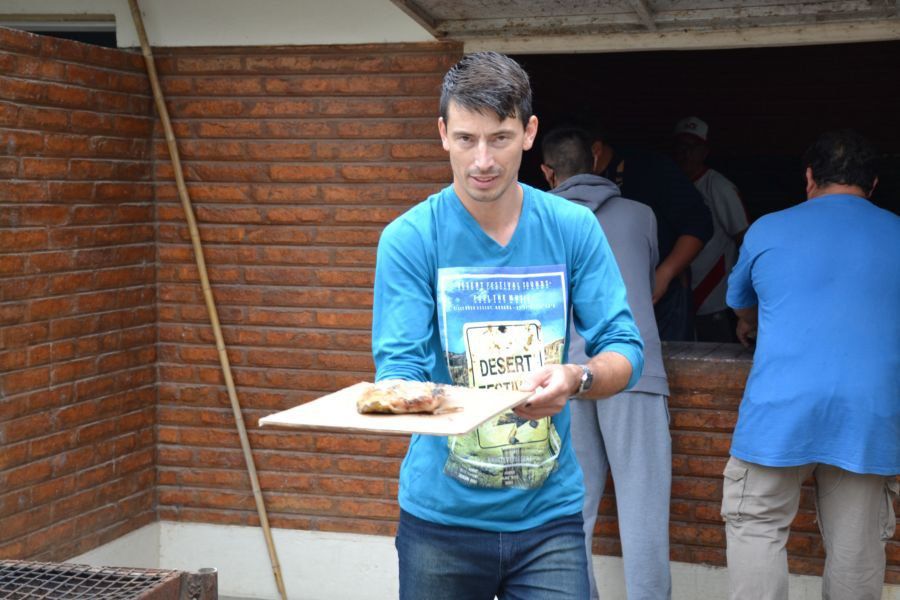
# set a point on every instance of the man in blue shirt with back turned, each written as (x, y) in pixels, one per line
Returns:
(821, 283)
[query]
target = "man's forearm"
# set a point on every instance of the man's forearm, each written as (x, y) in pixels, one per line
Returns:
(685, 250)
(555, 384)
(611, 374)
(750, 315)
(748, 322)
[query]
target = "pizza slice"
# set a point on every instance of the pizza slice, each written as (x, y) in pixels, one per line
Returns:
(400, 397)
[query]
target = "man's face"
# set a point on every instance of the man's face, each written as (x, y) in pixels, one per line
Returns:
(485, 152)
(689, 152)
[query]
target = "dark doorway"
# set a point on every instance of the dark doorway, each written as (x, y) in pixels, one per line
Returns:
(764, 106)
(97, 38)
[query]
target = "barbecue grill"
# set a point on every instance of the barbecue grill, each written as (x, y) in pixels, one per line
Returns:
(64, 581)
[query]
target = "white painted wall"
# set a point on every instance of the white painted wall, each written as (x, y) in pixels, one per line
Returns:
(241, 22)
(339, 566)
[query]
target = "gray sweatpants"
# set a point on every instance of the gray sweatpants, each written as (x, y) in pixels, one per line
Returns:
(855, 515)
(629, 434)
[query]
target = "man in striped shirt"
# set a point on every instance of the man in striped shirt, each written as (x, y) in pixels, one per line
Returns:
(713, 320)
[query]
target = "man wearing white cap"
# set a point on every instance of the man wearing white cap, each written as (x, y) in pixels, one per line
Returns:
(714, 321)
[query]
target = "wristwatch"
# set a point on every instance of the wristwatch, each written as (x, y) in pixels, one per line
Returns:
(587, 379)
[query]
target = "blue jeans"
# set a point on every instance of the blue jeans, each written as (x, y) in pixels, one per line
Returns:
(438, 562)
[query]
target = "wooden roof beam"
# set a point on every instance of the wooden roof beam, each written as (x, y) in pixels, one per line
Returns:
(645, 14)
(425, 20)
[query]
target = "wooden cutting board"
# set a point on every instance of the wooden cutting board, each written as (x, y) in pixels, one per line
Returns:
(337, 411)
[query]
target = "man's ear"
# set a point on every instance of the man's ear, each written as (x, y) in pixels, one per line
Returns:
(442, 129)
(874, 185)
(597, 151)
(810, 182)
(531, 129)
(548, 175)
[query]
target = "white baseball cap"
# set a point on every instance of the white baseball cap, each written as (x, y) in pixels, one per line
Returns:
(692, 126)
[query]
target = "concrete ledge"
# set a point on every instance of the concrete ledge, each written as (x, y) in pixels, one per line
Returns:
(337, 566)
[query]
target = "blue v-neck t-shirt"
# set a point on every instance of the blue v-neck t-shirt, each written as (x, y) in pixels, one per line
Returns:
(452, 305)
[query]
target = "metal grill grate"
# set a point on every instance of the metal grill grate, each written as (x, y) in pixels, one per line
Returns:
(52, 581)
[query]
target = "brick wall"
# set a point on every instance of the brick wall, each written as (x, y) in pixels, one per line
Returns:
(77, 294)
(296, 159)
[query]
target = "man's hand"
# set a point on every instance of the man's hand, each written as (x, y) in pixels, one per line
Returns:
(552, 385)
(663, 279)
(685, 250)
(748, 321)
(746, 333)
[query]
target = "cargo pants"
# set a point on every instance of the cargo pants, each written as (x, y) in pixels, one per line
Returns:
(855, 516)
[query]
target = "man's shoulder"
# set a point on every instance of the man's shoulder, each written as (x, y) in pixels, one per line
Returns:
(625, 209)
(418, 218)
(546, 204)
(633, 206)
(717, 179)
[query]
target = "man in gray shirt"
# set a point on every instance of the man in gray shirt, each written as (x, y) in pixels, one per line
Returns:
(627, 433)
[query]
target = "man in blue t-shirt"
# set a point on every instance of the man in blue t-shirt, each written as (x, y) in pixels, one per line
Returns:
(474, 287)
(818, 287)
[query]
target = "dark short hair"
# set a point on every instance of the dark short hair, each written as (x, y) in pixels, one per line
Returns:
(488, 81)
(567, 150)
(843, 156)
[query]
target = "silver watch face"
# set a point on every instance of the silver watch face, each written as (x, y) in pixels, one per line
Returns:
(587, 378)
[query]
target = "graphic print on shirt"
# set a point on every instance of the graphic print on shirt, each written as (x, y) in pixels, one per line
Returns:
(498, 325)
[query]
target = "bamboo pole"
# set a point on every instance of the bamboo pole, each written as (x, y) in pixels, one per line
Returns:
(207, 292)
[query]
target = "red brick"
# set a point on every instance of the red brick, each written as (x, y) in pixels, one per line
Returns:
(22, 523)
(23, 191)
(49, 538)
(68, 96)
(14, 39)
(350, 151)
(27, 474)
(207, 108)
(52, 445)
(45, 168)
(70, 191)
(46, 119)
(108, 169)
(131, 191)
(208, 64)
(25, 239)
(288, 150)
(413, 108)
(8, 113)
(389, 173)
(373, 130)
(48, 308)
(45, 215)
(16, 382)
(294, 256)
(230, 129)
(48, 262)
(116, 102)
(302, 172)
(419, 150)
(281, 108)
(27, 287)
(21, 142)
(348, 257)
